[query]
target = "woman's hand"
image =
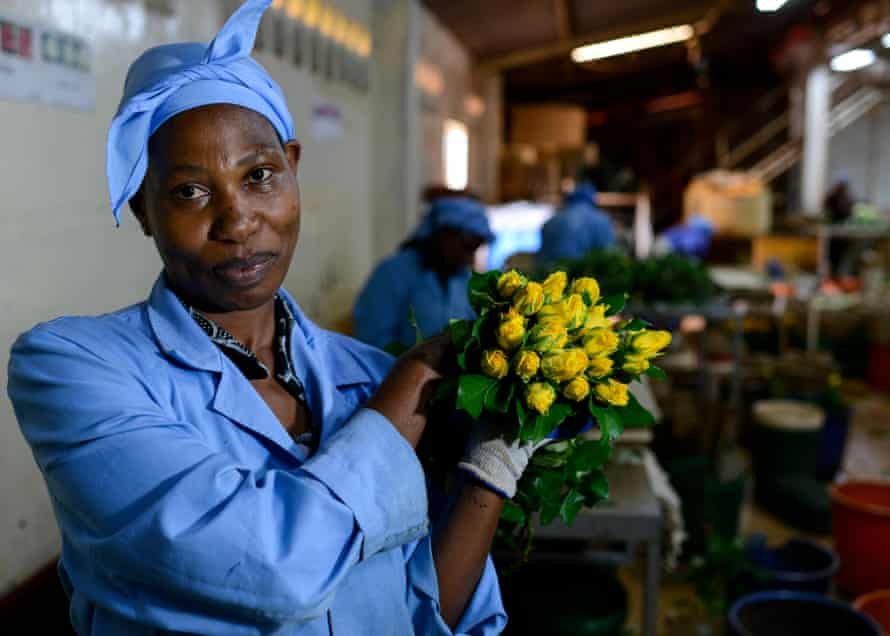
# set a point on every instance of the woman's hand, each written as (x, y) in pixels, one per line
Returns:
(403, 395)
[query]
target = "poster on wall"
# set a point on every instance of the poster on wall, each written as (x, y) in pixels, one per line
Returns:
(40, 64)
(327, 121)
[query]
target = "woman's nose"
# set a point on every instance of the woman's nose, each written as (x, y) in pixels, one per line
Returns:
(235, 222)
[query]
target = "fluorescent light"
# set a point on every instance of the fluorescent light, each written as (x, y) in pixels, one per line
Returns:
(650, 40)
(768, 6)
(852, 60)
(456, 151)
(885, 40)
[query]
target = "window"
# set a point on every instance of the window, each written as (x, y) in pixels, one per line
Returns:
(456, 154)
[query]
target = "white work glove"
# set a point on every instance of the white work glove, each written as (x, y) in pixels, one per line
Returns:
(496, 464)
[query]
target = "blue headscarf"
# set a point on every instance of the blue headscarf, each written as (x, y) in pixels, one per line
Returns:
(584, 193)
(170, 79)
(456, 213)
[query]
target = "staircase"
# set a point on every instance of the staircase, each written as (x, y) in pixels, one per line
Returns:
(772, 149)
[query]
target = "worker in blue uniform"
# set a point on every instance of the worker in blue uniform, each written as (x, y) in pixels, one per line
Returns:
(217, 463)
(577, 228)
(428, 275)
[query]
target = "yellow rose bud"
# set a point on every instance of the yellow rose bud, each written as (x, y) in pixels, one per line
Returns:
(562, 366)
(599, 368)
(526, 365)
(510, 283)
(547, 336)
(576, 390)
(650, 343)
(587, 285)
(555, 285)
(540, 396)
(529, 300)
(512, 315)
(510, 334)
(600, 343)
(494, 363)
(612, 392)
(596, 318)
(635, 365)
(569, 312)
(574, 311)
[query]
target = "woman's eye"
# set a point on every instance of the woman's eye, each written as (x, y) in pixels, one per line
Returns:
(260, 175)
(189, 192)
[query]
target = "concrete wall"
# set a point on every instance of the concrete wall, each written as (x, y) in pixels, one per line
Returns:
(61, 254)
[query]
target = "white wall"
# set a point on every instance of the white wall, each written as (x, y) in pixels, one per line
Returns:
(862, 151)
(61, 254)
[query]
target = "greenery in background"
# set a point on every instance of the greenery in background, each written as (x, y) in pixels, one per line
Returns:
(720, 572)
(672, 278)
(540, 362)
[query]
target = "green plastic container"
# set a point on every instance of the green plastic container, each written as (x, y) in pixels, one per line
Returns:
(709, 505)
(787, 438)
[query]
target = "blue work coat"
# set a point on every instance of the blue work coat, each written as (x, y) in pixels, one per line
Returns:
(576, 229)
(399, 283)
(185, 506)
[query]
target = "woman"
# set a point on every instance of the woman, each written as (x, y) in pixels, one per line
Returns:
(216, 462)
(577, 228)
(427, 277)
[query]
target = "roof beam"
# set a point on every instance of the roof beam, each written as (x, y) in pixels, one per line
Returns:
(532, 55)
(563, 22)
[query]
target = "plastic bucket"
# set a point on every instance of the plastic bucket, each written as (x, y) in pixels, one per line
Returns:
(832, 442)
(786, 439)
(786, 613)
(709, 505)
(800, 564)
(860, 514)
(877, 606)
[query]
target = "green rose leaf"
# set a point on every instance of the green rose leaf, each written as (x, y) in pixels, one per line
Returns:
(554, 455)
(446, 390)
(615, 303)
(588, 456)
(412, 320)
(636, 324)
(513, 513)
(634, 415)
(610, 424)
(656, 373)
(541, 426)
(499, 395)
(459, 331)
(521, 414)
(595, 488)
(571, 506)
(549, 511)
(482, 290)
(471, 393)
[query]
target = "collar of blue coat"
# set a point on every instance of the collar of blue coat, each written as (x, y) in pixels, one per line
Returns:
(312, 348)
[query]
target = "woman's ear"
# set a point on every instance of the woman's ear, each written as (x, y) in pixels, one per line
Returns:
(137, 205)
(293, 149)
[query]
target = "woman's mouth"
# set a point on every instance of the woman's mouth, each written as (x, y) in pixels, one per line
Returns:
(245, 272)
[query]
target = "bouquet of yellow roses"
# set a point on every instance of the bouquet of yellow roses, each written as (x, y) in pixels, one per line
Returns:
(545, 361)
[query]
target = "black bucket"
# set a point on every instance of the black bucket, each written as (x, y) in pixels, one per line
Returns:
(797, 614)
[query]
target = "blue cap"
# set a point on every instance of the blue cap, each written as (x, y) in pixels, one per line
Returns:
(456, 213)
(172, 78)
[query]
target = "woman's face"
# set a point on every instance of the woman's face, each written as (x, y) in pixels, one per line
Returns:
(221, 201)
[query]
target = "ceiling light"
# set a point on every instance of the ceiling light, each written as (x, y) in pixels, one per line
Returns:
(768, 6)
(611, 48)
(885, 40)
(852, 60)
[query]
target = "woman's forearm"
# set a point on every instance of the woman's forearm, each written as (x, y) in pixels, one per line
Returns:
(462, 545)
